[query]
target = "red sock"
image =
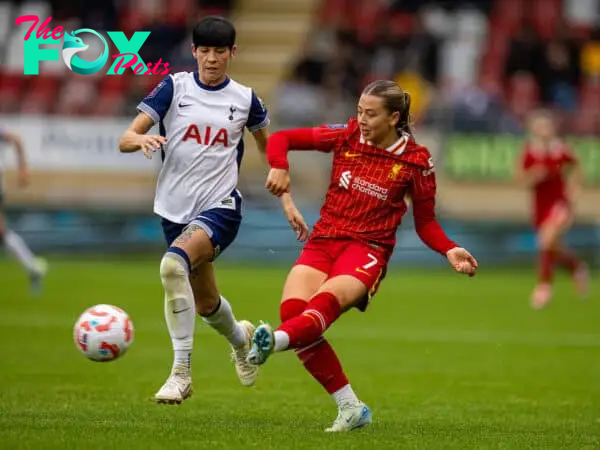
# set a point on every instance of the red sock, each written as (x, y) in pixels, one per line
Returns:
(319, 359)
(568, 260)
(290, 308)
(303, 330)
(545, 266)
(323, 364)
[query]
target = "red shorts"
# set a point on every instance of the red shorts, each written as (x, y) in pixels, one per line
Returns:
(542, 215)
(367, 263)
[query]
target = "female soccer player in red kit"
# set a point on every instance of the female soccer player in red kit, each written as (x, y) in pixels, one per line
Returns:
(376, 164)
(549, 168)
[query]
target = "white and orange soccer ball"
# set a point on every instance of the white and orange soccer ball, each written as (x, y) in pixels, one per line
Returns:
(103, 332)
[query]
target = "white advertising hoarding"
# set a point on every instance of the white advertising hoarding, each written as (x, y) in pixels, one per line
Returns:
(68, 143)
(76, 162)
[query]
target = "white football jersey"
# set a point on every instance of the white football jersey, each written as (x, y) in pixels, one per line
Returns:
(204, 126)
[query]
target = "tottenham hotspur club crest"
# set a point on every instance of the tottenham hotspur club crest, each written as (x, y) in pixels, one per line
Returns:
(232, 109)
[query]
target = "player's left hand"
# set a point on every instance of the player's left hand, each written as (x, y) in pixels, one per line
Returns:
(462, 261)
(294, 217)
(23, 177)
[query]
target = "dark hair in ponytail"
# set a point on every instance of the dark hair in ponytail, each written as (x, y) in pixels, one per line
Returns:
(395, 99)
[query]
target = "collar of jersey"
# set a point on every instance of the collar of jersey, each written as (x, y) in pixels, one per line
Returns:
(396, 148)
(206, 87)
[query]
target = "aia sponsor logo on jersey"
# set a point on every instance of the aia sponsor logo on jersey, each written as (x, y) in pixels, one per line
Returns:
(347, 181)
(207, 138)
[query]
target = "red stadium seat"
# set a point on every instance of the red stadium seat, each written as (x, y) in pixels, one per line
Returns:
(11, 84)
(401, 25)
(507, 15)
(178, 12)
(545, 15)
(366, 17)
(132, 20)
(47, 84)
(108, 106)
(37, 102)
(110, 84)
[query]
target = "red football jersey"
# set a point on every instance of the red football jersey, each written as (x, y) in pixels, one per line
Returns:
(366, 195)
(552, 188)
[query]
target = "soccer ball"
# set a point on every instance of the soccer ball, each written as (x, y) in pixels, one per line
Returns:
(103, 332)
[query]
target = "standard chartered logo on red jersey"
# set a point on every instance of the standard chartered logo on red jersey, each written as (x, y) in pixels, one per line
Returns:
(347, 181)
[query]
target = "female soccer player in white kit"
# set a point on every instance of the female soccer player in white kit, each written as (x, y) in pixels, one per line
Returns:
(201, 116)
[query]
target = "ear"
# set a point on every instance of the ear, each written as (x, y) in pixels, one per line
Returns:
(234, 51)
(395, 118)
(193, 51)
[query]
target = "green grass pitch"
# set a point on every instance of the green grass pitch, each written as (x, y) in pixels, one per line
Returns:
(444, 361)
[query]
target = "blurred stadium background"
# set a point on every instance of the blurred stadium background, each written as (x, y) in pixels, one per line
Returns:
(471, 365)
(474, 69)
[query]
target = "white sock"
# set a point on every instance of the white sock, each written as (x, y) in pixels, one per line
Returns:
(17, 246)
(345, 396)
(282, 341)
(180, 311)
(224, 322)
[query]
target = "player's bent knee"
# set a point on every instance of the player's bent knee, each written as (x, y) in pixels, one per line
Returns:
(174, 271)
(348, 290)
(303, 282)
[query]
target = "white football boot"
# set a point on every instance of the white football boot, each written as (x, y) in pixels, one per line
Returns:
(351, 417)
(176, 389)
(36, 278)
(246, 372)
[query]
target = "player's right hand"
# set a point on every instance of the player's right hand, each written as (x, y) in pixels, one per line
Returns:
(278, 182)
(294, 217)
(149, 143)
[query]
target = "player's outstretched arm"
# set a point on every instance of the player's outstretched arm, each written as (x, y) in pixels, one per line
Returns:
(433, 235)
(135, 137)
(422, 191)
(17, 143)
(281, 142)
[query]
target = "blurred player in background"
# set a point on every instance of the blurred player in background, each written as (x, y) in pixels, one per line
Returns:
(376, 163)
(548, 167)
(202, 117)
(36, 267)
